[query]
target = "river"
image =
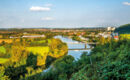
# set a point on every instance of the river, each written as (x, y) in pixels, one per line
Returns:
(75, 53)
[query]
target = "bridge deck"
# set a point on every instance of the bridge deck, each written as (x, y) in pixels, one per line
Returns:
(81, 43)
(82, 49)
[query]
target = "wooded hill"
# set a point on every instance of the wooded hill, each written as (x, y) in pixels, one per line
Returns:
(124, 29)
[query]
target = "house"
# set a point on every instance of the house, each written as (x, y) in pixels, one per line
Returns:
(33, 36)
(111, 28)
(115, 36)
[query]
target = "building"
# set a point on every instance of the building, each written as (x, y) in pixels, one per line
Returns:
(115, 36)
(33, 36)
(111, 28)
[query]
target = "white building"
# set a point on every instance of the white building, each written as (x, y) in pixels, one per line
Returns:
(33, 36)
(111, 28)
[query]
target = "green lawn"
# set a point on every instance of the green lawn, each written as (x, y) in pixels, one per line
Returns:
(38, 50)
(2, 49)
(42, 41)
(3, 60)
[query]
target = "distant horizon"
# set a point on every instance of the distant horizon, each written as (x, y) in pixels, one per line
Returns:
(57, 27)
(62, 27)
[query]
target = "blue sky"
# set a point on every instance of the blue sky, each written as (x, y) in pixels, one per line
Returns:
(63, 13)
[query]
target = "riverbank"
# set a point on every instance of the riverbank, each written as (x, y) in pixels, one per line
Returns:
(104, 63)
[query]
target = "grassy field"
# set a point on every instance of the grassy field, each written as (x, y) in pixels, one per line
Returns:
(37, 42)
(2, 49)
(38, 50)
(42, 41)
(127, 36)
(3, 60)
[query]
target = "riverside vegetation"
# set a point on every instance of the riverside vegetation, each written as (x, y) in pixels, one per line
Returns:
(25, 59)
(28, 56)
(109, 61)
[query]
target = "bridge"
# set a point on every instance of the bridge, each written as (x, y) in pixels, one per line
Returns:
(85, 46)
(80, 49)
(89, 43)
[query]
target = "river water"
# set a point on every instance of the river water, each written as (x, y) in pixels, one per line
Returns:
(75, 53)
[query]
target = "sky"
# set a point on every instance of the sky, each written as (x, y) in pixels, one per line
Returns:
(63, 13)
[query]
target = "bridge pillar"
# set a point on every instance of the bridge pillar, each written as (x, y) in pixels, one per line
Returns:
(85, 46)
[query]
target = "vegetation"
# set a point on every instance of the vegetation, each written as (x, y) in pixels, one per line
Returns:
(2, 49)
(26, 58)
(106, 62)
(123, 29)
(38, 50)
(21, 58)
(3, 60)
(125, 36)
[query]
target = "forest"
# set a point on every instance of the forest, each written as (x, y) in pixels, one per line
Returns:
(106, 62)
(123, 29)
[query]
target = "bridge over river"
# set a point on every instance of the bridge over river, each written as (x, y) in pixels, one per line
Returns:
(76, 48)
(85, 45)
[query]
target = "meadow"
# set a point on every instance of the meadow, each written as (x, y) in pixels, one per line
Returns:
(2, 49)
(40, 50)
(3, 60)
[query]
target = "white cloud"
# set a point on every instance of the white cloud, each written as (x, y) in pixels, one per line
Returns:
(47, 18)
(126, 3)
(37, 8)
(48, 5)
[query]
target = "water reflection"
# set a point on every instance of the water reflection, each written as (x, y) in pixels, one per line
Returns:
(75, 53)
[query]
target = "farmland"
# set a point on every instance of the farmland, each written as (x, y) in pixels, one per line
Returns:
(3, 60)
(126, 36)
(2, 49)
(38, 50)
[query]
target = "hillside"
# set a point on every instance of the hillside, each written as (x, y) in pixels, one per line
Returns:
(124, 29)
(106, 62)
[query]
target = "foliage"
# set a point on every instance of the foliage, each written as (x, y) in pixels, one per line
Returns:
(25, 59)
(61, 69)
(109, 61)
(125, 36)
(2, 76)
(123, 29)
(2, 49)
(49, 61)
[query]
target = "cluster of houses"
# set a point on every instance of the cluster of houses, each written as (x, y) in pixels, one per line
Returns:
(109, 33)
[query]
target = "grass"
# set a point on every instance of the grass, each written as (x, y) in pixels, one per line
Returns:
(38, 50)
(127, 36)
(42, 41)
(2, 49)
(3, 60)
